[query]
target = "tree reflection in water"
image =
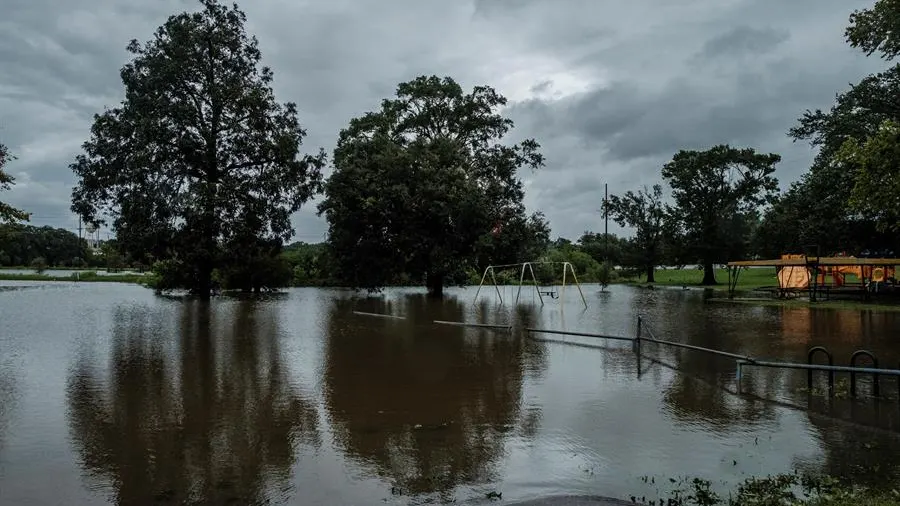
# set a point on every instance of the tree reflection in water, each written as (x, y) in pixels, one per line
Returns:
(426, 406)
(7, 399)
(198, 412)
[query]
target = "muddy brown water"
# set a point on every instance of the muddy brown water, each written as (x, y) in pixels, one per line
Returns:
(110, 394)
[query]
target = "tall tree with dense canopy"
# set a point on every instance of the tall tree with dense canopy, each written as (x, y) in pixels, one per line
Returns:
(419, 184)
(648, 215)
(816, 209)
(8, 213)
(199, 154)
(711, 189)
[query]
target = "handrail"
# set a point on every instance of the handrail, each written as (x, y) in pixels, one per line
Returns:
(579, 334)
(379, 315)
(745, 360)
(853, 358)
(821, 367)
(480, 325)
(809, 358)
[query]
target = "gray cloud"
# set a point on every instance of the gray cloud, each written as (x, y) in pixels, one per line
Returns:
(743, 40)
(610, 89)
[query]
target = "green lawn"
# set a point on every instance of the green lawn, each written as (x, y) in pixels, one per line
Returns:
(87, 276)
(749, 278)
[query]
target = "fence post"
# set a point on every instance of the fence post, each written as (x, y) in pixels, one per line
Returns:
(809, 375)
(853, 359)
(636, 346)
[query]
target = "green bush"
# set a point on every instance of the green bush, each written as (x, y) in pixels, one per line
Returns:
(606, 274)
(39, 265)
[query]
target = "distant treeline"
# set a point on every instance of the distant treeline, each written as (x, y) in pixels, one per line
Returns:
(42, 247)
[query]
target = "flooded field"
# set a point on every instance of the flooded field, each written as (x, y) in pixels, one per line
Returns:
(110, 394)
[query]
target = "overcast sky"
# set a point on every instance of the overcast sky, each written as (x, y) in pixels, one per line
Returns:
(611, 89)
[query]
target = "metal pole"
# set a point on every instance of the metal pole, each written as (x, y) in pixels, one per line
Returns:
(521, 279)
(637, 338)
(822, 367)
(494, 279)
(562, 295)
(577, 284)
(379, 315)
(536, 287)
(605, 222)
(579, 334)
(483, 277)
(481, 325)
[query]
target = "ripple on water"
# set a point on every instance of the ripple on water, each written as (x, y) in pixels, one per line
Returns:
(124, 396)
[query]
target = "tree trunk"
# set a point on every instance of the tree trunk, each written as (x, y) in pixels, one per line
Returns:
(650, 272)
(204, 279)
(709, 274)
(435, 283)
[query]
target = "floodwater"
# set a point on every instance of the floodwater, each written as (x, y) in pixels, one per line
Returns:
(110, 394)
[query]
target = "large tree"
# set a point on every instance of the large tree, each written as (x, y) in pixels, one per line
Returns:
(199, 154)
(648, 215)
(418, 184)
(712, 189)
(8, 213)
(816, 209)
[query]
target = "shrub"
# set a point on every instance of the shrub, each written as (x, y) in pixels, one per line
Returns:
(39, 265)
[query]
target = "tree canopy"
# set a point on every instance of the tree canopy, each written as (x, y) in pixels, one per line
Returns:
(877, 181)
(646, 212)
(424, 184)
(21, 244)
(712, 190)
(8, 213)
(817, 209)
(875, 29)
(199, 160)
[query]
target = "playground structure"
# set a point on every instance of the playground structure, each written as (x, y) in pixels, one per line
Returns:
(547, 291)
(817, 275)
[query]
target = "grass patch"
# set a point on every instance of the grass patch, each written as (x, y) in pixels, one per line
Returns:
(749, 278)
(82, 276)
(50, 268)
(850, 305)
(776, 490)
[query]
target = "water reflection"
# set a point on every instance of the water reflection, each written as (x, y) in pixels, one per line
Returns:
(427, 407)
(868, 456)
(201, 411)
(7, 399)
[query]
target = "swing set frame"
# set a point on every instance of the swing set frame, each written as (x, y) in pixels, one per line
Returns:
(566, 267)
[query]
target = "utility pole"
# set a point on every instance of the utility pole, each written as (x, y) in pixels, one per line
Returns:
(79, 229)
(606, 222)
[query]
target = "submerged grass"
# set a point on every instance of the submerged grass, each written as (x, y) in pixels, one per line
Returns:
(776, 490)
(847, 305)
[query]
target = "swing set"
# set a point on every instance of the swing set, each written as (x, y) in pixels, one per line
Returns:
(549, 291)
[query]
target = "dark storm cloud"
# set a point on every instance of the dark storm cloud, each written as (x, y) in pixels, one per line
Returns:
(742, 40)
(610, 89)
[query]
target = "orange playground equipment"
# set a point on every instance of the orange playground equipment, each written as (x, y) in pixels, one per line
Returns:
(798, 273)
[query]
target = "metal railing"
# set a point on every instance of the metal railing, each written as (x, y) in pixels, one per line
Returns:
(743, 361)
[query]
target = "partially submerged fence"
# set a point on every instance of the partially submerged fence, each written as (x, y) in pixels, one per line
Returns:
(744, 361)
(643, 334)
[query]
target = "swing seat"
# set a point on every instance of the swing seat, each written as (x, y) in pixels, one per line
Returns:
(551, 293)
